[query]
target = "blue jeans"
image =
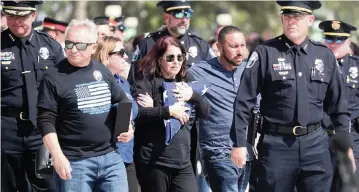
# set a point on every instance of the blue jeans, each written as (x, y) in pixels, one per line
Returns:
(223, 176)
(105, 173)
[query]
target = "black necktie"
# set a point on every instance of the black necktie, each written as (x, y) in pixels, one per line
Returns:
(27, 61)
(302, 90)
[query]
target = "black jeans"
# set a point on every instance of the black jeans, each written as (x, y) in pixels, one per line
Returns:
(131, 177)
(153, 178)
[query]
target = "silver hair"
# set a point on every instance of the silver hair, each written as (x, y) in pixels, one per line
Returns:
(85, 23)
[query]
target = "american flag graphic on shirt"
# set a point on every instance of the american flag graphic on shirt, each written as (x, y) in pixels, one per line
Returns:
(94, 97)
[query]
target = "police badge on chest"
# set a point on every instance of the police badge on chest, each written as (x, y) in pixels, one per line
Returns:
(282, 68)
(352, 77)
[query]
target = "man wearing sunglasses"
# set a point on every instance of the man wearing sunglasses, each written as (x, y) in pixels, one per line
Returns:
(336, 38)
(299, 81)
(177, 15)
(26, 55)
(75, 120)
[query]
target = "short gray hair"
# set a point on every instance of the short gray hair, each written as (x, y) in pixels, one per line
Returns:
(84, 23)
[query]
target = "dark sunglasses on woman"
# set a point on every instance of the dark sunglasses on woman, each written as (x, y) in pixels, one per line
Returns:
(171, 57)
(120, 53)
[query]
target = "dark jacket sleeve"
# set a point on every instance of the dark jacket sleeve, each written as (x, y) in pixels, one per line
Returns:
(46, 120)
(149, 113)
(335, 104)
(251, 84)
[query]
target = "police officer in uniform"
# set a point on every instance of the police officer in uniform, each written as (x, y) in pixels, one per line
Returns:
(336, 38)
(298, 80)
(177, 16)
(26, 55)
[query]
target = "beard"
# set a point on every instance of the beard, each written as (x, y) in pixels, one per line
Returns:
(231, 61)
(179, 29)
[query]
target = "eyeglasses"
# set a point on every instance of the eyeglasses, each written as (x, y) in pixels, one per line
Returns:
(120, 53)
(171, 57)
(181, 14)
(79, 46)
(334, 40)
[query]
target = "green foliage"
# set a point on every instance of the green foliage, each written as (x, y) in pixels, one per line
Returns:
(250, 16)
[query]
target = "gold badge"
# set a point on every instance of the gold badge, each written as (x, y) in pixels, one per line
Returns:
(336, 25)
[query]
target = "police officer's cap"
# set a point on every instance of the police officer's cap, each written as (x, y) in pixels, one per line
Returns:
(19, 8)
(336, 28)
(298, 7)
(53, 24)
(169, 6)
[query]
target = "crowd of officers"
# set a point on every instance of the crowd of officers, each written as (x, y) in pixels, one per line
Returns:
(307, 93)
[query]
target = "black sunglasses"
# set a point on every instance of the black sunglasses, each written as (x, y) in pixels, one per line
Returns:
(171, 57)
(79, 46)
(121, 53)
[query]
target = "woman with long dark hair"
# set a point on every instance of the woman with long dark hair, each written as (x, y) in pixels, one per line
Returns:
(161, 166)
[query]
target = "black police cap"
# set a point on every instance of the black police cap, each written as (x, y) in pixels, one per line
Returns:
(336, 28)
(298, 7)
(53, 24)
(169, 6)
(19, 8)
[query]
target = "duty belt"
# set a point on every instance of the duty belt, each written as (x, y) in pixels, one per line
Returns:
(275, 129)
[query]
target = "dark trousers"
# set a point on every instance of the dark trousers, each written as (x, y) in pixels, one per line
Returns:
(20, 142)
(253, 178)
(153, 178)
(131, 177)
(286, 162)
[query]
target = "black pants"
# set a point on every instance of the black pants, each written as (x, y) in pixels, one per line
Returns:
(18, 174)
(131, 177)
(153, 178)
(286, 162)
(20, 142)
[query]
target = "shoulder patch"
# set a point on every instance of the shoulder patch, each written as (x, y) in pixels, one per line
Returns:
(252, 59)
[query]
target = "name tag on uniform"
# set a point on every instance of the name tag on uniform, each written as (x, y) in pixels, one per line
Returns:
(7, 56)
(282, 67)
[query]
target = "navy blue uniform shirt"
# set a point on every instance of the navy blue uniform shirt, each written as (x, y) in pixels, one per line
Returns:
(271, 72)
(349, 66)
(45, 53)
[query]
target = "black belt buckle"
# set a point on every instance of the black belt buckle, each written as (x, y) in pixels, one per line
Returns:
(297, 130)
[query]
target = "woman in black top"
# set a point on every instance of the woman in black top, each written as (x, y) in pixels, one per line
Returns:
(161, 167)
